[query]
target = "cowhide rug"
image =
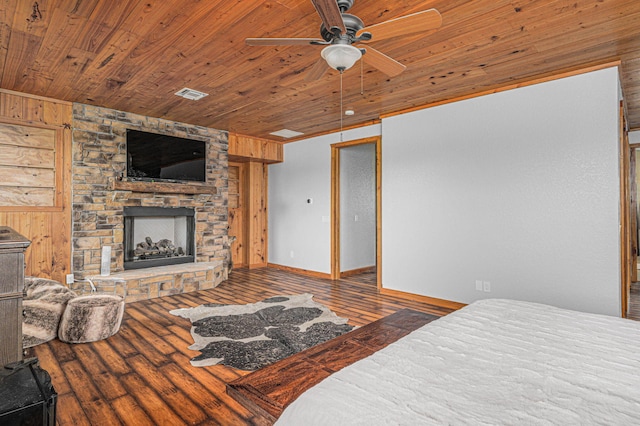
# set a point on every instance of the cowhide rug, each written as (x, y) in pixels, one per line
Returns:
(249, 337)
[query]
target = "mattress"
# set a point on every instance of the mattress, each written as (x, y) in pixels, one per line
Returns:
(493, 362)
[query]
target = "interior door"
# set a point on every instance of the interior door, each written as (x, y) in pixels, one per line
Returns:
(237, 219)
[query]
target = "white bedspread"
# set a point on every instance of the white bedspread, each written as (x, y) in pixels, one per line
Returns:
(494, 362)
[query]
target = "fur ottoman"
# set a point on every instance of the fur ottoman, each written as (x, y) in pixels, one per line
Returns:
(43, 304)
(91, 318)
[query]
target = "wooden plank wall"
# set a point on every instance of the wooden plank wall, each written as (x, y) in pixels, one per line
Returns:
(45, 221)
(27, 166)
(257, 215)
(249, 148)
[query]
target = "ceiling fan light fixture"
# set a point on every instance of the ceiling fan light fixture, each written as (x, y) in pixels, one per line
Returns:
(341, 57)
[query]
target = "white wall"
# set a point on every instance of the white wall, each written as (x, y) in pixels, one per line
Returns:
(518, 188)
(357, 200)
(294, 225)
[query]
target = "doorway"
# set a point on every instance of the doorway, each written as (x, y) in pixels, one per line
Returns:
(237, 215)
(631, 291)
(356, 209)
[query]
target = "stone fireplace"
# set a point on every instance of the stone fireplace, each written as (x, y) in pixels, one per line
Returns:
(102, 193)
(158, 236)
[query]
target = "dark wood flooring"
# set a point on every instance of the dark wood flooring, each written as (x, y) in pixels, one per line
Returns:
(142, 375)
(634, 302)
(369, 277)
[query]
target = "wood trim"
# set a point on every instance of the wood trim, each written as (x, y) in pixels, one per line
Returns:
(265, 247)
(60, 152)
(239, 247)
(633, 216)
(29, 123)
(583, 69)
(300, 271)
(244, 178)
(257, 265)
(379, 212)
(37, 97)
(335, 212)
(625, 222)
(422, 299)
(328, 132)
(355, 142)
(335, 204)
(53, 209)
(163, 187)
(61, 244)
(357, 271)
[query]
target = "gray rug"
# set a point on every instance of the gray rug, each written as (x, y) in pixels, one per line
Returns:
(249, 337)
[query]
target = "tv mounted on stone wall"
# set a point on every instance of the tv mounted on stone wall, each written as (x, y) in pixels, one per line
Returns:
(156, 157)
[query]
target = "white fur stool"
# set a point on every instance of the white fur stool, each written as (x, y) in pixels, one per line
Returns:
(91, 318)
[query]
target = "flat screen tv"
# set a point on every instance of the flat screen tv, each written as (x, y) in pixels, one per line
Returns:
(151, 156)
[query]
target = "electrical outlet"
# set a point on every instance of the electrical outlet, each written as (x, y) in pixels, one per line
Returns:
(291, 254)
(479, 285)
(70, 279)
(356, 218)
(486, 286)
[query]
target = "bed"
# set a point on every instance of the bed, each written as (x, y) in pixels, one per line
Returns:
(492, 362)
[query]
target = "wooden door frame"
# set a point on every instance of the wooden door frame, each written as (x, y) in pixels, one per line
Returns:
(633, 209)
(628, 254)
(243, 240)
(335, 204)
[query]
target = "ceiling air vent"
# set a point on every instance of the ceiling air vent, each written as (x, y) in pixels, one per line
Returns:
(286, 133)
(194, 95)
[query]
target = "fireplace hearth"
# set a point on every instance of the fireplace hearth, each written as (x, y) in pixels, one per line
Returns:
(158, 236)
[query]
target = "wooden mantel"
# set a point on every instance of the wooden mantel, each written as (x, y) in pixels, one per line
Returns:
(162, 187)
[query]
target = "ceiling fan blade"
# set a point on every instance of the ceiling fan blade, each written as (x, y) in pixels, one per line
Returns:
(317, 70)
(281, 41)
(330, 14)
(382, 62)
(409, 24)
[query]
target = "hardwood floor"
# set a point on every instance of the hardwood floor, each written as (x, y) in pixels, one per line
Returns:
(142, 375)
(369, 277)
(634, 302)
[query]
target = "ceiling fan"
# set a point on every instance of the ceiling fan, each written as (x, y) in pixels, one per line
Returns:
(342, 34)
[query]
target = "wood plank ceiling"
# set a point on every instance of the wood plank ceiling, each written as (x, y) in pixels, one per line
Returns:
(133, 55)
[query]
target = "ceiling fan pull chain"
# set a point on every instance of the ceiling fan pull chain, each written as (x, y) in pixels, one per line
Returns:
(361, 77)
(341, 112)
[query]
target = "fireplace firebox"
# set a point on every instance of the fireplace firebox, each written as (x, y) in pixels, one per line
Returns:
(158, 236)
